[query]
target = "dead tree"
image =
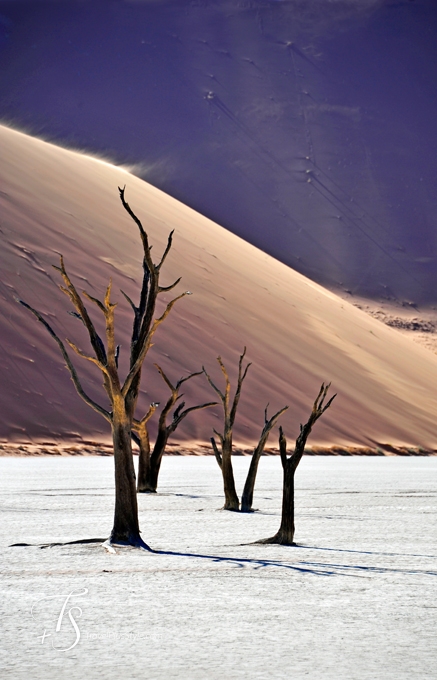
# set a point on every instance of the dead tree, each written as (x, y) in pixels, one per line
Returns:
(285, 535)
(247, 497)
(122, 393)
(224, 455)
(149, 463)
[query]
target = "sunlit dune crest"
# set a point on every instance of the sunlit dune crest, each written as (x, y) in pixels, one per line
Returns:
(297, 334)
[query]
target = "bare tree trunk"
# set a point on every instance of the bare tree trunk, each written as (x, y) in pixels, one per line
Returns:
(247, 497)
(285, 535)
(231, 498)
(149, 483)
(126, 528)
(144, 466)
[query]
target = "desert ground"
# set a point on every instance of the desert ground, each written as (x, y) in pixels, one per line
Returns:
(355, 599)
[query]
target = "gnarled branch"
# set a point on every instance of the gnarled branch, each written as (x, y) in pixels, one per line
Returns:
(165, 289)
(167, 250)
(143, 233)
(75, 378)
(214, 387)
(71, 292)
(216, 452)
(319, 408)
(241, 377)
(93, 360)
(181, 415)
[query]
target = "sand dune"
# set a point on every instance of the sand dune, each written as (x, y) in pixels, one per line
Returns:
(297, 333)
(305, 127)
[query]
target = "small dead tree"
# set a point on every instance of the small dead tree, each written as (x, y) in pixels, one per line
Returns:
(285, 535)
(150, 462)
(122, 393)
(224, 453)
(249, 486)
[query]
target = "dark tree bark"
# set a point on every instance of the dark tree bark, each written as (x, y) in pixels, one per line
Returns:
(224, 454)
(149, 464)
(126, 528)
(122, 394)
(285, 535)
(140, 436)
(247, 497)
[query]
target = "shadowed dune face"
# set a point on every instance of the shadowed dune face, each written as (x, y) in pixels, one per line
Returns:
(307, 127)
(297, 334)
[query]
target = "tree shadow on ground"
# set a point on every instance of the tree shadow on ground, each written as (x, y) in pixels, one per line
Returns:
(366, 552)
(301, 566)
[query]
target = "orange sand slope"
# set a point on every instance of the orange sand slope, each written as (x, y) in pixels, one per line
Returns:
(297, 334)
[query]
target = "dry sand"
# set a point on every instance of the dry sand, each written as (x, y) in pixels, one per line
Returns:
(297, 333)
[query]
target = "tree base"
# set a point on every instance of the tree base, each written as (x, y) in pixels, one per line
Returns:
(133, 542)
(277, 539)
(146, 491)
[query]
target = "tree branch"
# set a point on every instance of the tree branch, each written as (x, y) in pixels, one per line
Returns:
(138, 424)
(188, 377)
(216, 452)
(241, 378)
(97, 302)
(146, 307)
(282, 447)
(112, 361)
(214, 387)
(71, 292)
(270, 424)
(143, 233)
(167, 250)
(165, 289)
(220, 436)
(317, 411)
(75, 378)
(265, 414)
(129, 301)
(228, 385)
(164, 377)
(178, 419)
(93, 360)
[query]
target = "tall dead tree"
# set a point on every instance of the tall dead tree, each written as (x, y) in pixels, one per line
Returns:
(285, 535)
(224, 453)
(150, 462)
(249, 486)
(122, 393)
